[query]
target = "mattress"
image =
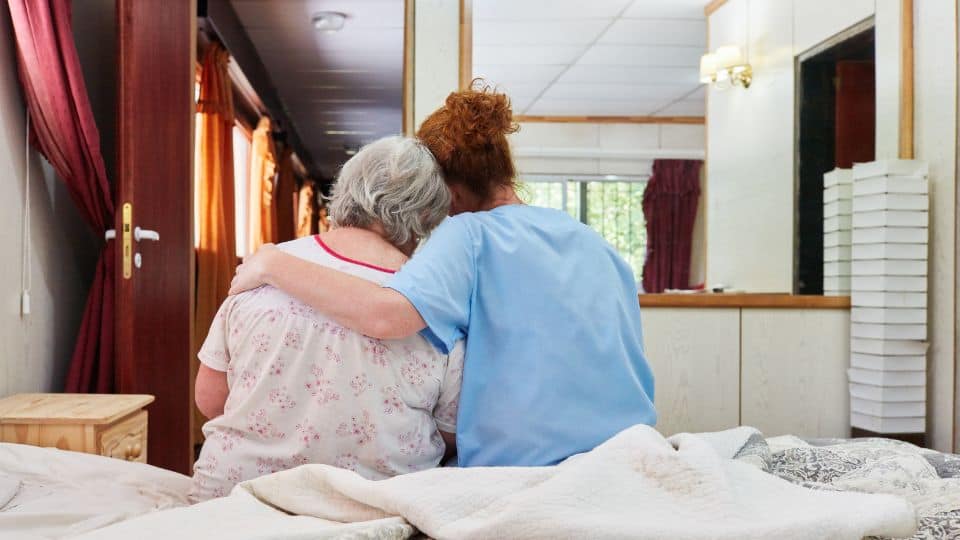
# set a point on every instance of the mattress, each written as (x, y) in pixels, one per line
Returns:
(50, 493)
(63, 493)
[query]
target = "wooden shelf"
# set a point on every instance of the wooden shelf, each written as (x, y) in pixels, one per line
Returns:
(745, 300)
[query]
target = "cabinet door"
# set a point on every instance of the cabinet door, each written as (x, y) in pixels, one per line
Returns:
(794, 372)
(695, 357)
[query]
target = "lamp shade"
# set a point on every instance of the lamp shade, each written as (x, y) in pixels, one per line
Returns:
(728, 56)
(708, 67)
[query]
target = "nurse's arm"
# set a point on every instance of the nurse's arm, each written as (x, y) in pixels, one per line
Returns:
(353, 302)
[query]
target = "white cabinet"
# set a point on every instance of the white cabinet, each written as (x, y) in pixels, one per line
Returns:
(794, 365)
(779, 370)
(695, 357)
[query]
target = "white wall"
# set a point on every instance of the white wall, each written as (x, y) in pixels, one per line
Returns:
(750, 149)
(588, 148)
(436, 51)
(935, 141)
(750, 153)
(35, 350)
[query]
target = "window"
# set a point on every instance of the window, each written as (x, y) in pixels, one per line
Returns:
(241, 180)
(611, 205)
(241, 183)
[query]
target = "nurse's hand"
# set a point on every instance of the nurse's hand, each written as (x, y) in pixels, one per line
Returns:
(252, 273)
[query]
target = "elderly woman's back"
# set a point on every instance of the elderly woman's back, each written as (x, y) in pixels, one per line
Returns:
(303, 389)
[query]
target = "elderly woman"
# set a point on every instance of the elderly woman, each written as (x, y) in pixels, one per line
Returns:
(284, 385)
(555, 362)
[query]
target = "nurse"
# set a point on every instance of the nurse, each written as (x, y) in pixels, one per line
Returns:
(554, 350)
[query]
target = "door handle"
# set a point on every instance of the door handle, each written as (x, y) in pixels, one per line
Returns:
(145, 234)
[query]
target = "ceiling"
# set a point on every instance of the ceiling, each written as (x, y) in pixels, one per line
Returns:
(554, 57)
(341, 89)
(602, 57)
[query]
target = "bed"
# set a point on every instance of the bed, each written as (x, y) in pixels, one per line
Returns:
(930, 480)
(50, 493)
(637, 485)
(65, 494)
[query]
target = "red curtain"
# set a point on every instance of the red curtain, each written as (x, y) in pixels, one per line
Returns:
(670, 208)
(64, 132)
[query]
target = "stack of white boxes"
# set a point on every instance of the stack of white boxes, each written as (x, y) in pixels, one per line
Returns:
(837, 224)
(888, 319)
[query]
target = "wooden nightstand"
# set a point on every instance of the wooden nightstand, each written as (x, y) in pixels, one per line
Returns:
(112, 425)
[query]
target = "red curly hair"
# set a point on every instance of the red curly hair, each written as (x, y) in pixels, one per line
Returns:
(468, 137)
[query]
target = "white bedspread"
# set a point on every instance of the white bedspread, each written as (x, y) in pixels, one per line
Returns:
(56, 494)
(637, 485)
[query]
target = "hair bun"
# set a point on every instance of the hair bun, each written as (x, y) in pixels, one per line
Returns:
(478, 116)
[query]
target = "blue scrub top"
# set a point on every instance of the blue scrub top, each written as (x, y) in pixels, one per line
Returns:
(554, 352)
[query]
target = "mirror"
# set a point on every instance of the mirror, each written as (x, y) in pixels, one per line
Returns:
(600, 94)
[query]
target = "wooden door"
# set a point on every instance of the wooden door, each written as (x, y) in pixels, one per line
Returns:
(155, 192)
(855, 111)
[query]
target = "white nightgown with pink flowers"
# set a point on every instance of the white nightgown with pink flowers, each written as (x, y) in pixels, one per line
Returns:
(306, 390)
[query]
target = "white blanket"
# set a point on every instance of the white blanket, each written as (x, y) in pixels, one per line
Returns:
(637, 485)
(54, 493)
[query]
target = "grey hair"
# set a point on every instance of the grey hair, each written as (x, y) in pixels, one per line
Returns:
(396, 182)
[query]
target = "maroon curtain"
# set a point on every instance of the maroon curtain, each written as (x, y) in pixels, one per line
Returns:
(64, 132)
(670, 207)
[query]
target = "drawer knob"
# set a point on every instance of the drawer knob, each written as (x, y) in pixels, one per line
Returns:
(133, 451)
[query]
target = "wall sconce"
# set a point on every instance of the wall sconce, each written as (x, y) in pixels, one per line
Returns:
(725, 67)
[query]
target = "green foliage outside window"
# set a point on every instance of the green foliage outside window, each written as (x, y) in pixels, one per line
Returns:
(612, 208)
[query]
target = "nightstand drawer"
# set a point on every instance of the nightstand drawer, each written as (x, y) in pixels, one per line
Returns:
(112, 425)
(127, 439)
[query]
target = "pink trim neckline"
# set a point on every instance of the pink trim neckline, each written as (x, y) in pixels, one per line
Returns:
(329, 250)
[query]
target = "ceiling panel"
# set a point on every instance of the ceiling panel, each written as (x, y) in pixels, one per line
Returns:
(684, 108)
(666, 9)
(341, 89)
(309, 40)
(290, 15)
(547, 9)
(699, 93)
(614, 92)
(679, 75)
(635, 57)
(624, 107)
(519, 90)
(520, 74)
(642, 55)
(526, 54)
(546, 32)
(656, 32)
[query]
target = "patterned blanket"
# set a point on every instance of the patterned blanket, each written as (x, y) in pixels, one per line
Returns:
(929, 480)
